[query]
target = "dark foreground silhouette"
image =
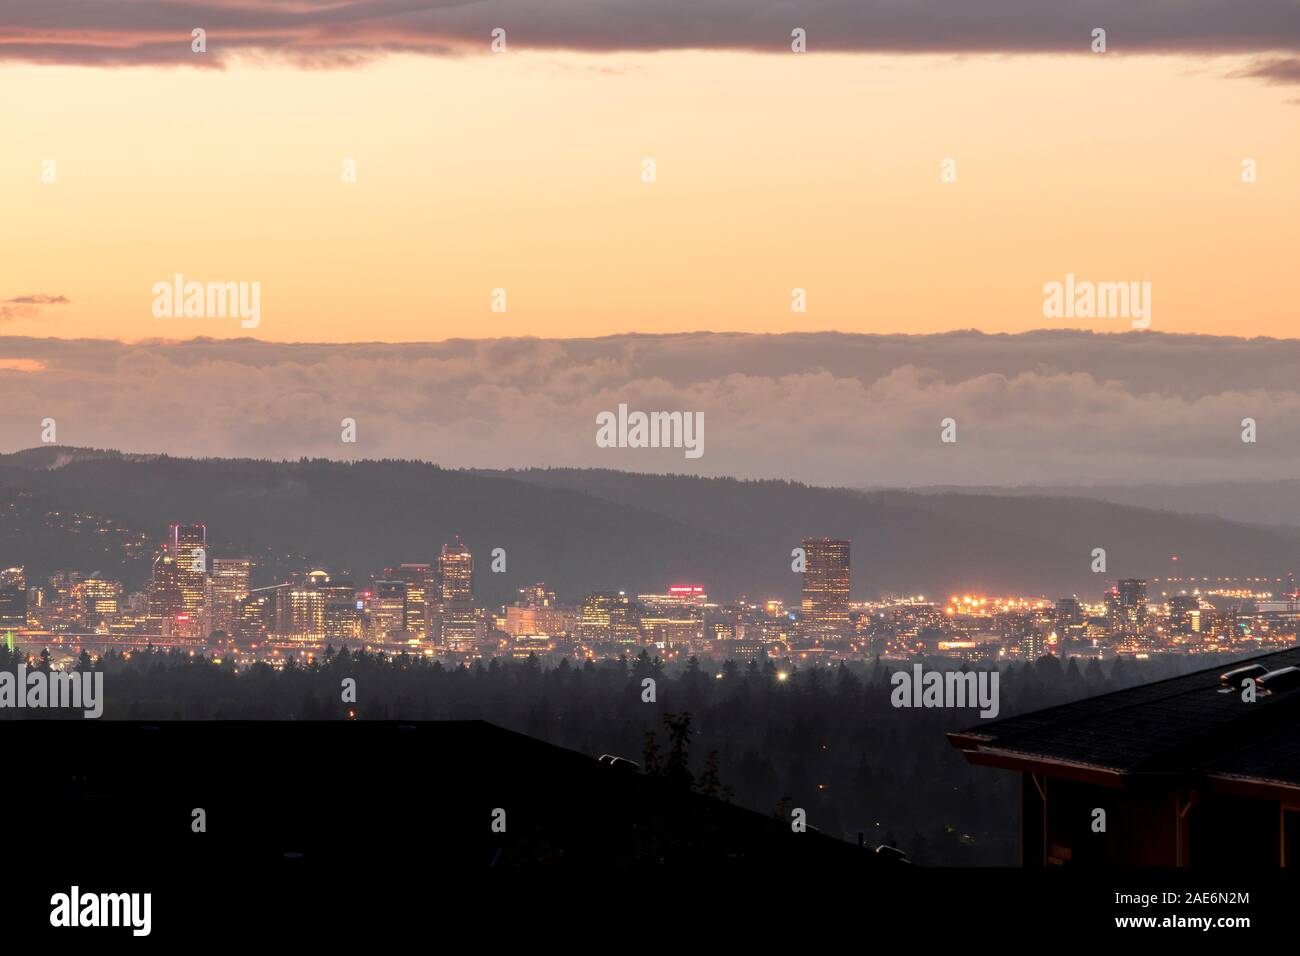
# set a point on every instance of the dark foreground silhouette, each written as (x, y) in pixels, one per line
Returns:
(825, 741)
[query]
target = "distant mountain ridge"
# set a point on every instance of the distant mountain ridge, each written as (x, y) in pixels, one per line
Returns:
(1268, 502)
(581, 530)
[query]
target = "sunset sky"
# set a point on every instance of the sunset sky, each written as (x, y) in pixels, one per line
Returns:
(522, 171)
(776, 170)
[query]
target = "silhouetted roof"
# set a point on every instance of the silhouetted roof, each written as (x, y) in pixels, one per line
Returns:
(1185, 725)
(375, 794)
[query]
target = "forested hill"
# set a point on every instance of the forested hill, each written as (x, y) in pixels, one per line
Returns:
(585, 530)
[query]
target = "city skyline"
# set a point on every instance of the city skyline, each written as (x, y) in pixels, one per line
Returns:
(208, 604)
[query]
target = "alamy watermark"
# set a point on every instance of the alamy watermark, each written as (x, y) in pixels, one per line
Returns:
(1098, 300)
(208, 300)
(103, 909)
(956, 689)
(651, 430)
(74, 690)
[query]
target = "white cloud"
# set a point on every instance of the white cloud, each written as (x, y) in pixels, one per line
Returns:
(822, 408)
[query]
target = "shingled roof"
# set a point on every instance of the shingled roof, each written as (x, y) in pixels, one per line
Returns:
(1185, 726)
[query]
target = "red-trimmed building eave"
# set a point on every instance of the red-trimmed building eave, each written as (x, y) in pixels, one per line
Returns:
(1062, 769)
(966, 740)
(1256, 787)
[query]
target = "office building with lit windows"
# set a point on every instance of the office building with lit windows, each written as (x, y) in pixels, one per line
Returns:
(671, 630)
(1126, 606)
(97, 602)
(255, 619)
(536, 595)
(344, 613)
(300, 615)
(227, 585)
(678, 596)
(13, 599)
(1068, 612)
(609, 618)
(1184, 614)
(388, 611)
(538, 614)
(421, 593)
(539, 621)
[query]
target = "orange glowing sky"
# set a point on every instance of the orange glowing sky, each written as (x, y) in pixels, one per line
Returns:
(523, 171)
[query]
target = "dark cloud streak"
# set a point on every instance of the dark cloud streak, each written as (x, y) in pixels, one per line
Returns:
(24, 306)
(115, 32)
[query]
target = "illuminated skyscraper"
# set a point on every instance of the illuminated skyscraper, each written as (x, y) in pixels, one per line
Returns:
(184, 541)
(228, 584)
(825, 606)
(188, 545)
(166, 601)
(456, 572)
(594, 622)
(420, 598)
(461, 630)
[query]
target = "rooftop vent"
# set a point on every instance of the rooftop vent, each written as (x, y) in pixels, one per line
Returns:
(1284, 678)
(1238, 676)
